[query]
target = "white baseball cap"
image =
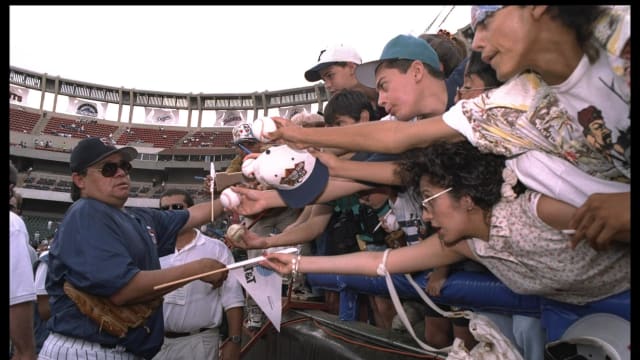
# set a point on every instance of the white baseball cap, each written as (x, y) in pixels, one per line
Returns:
(330, 56)
(298, 176)
(596, 336)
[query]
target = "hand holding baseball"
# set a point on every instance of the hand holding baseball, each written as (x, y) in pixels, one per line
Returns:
(235, 233)
(229, 199)
(263, 126)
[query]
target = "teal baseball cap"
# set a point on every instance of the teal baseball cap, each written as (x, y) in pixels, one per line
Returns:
(405, 47)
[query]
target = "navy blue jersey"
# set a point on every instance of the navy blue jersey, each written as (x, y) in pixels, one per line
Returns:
(99, 249)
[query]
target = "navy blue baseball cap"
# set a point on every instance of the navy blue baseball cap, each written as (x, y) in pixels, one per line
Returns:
(405, 47)
(91, 150)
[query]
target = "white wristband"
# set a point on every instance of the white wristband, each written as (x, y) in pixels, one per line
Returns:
(382, 267)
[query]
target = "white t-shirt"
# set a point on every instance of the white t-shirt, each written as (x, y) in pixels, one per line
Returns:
(557, 178)
(567, 121)
(41, 276)
(197, 305)
(21, 284)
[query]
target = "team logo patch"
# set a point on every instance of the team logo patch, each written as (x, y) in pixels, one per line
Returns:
(294, 175)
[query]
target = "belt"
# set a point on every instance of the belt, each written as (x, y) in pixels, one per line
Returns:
(173, 335)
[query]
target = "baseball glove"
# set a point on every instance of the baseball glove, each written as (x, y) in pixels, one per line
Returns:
(114, 319)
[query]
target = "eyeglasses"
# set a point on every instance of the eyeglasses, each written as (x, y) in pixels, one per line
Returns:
(462, 90)
(110, 169)
(426, 204)
(172, 207)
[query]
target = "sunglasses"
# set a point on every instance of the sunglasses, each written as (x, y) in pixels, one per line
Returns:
(110, 169)
(172, 207)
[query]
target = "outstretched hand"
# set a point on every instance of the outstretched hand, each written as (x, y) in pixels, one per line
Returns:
(288, 133)
(329, 159)
(250, 240)
(279, 262)
(602, 219)
(251, 201)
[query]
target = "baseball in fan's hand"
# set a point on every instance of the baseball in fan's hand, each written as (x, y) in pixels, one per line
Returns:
(235, 232)
(229, 198)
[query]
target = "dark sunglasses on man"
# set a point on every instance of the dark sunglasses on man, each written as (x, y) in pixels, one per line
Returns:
(110, 169)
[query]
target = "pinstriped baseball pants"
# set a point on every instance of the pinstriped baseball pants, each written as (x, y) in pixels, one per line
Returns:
(60, 347)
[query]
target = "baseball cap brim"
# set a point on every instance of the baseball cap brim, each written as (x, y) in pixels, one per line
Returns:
(128, 154)
(313, 74)
(366, 73)
(309, 190)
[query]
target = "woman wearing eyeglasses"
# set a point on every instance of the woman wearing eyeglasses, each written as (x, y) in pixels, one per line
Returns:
(481, 213)
(107, 250)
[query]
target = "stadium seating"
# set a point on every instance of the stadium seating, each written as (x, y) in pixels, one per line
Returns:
(22, 120)
(159, 138)
(207, 139)
(78, 128)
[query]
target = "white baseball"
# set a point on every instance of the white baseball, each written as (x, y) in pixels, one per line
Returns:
(229, 198)
(263, 126)
(248, 168)
(235, 232)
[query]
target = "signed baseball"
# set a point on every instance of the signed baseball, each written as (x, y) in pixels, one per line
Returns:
(229, 198)
(262, 126)
(235, 233)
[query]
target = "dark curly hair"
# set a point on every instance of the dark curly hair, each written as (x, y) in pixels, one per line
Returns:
(458, 165)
